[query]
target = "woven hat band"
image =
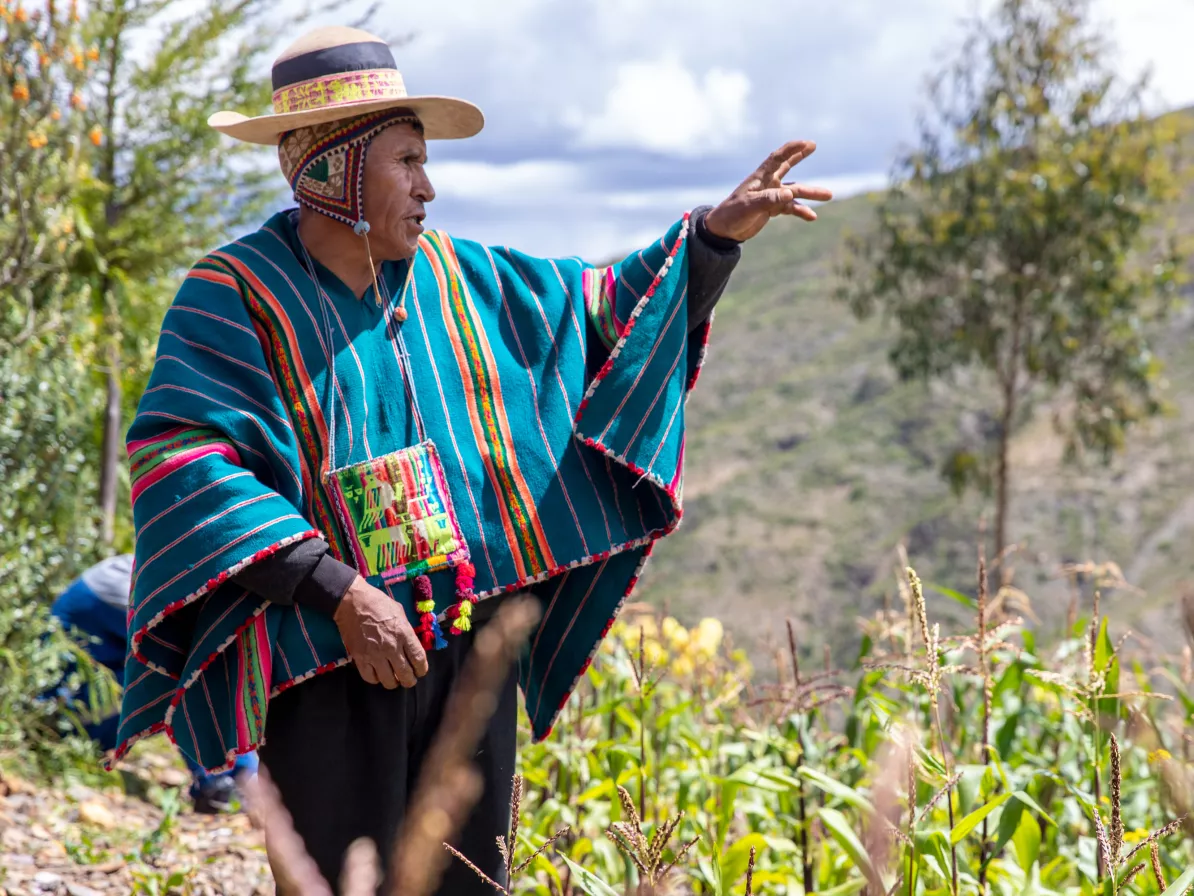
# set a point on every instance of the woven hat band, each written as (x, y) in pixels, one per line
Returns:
(331, 91)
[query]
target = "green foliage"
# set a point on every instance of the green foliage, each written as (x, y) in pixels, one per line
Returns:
(113, 185)
(1019, 237)
(46, 450)
(41, 71)
(839, 782)
(159, 197)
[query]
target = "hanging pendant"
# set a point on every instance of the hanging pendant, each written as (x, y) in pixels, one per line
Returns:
(400, 314)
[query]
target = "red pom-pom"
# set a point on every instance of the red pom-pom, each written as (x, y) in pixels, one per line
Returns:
(466, 569)
(422, 588)
(427, 637)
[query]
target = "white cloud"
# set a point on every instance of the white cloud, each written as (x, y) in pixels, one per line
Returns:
(553, 208)
(662, 106)
(503, 184)
(605, 118)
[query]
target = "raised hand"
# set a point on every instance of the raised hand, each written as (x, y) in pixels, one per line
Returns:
(764, 195)
(379, 639)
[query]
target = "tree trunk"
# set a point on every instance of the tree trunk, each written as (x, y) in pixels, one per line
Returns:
(112, 442)
(110, 460)
(1009, 382)
(1003, 479)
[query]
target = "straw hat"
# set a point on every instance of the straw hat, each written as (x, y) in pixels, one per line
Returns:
(335, 73)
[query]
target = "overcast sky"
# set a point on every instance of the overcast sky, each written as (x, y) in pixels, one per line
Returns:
(606, 119)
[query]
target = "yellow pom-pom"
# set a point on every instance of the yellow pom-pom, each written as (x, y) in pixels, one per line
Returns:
(463, 623)
(425, 606)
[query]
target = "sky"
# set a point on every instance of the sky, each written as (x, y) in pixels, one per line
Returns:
(607, 119)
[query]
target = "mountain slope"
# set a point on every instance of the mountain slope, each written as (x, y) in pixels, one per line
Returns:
(809, 463)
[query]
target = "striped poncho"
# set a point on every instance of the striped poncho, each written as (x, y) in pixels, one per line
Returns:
(553, 391)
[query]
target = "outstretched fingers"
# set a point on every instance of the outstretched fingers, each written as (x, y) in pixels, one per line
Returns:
(785, 200)
(799, 211)
(784, 159)
(815, 194)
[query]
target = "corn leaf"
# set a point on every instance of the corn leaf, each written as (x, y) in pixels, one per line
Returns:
(839, 828)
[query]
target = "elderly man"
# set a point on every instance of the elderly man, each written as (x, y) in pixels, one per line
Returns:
(358, 435)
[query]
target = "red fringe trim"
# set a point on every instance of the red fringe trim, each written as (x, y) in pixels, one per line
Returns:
(605, 631)
(630, 324)
(127, 744)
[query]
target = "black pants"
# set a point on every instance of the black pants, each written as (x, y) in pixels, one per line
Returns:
(346, 757)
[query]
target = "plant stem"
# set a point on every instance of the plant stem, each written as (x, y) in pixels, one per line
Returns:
(949, 798)
(642, 723)
(801, 806)
(985, 672)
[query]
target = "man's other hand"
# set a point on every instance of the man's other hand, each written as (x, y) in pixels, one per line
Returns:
(379, 638)
(764, 195)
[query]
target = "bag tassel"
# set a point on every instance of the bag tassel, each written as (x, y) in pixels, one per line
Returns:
(429, 631)
(461, 612)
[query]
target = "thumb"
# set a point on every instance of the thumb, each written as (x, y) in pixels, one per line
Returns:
(415, 654)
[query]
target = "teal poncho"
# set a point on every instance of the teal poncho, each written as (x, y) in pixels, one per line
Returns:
(553, 392)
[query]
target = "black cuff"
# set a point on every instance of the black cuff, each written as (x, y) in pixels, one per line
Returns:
(276, 576)
(713, 241)
(325, 585)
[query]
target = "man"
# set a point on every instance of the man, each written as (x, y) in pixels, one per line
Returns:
(358, 434)
(95, 606)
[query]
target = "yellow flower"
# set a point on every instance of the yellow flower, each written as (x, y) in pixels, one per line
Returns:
(20, 92)
(1135, 836)
(96, 135)
(653, 653)
(77, 101)
(68, 226)
(56, 115)
(682, 667)
(675, 633)
(37, 141)
(93, 54)
(645, 624)
(1159, 755)
(706, 638)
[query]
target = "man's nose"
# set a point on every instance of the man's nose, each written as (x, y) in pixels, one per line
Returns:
(423, 191)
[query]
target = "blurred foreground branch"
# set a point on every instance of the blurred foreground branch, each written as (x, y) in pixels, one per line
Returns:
(449, 787)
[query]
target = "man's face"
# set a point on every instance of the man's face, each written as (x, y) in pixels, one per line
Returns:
(396, 192)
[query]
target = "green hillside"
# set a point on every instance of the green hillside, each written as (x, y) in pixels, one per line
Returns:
(809, 463)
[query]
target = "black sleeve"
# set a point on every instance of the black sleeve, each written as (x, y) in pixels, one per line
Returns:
(711, 260)
(303, 573)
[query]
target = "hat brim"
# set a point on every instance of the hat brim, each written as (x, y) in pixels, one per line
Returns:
(442, 117)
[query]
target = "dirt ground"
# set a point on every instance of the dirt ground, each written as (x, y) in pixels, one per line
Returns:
(79, 841)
